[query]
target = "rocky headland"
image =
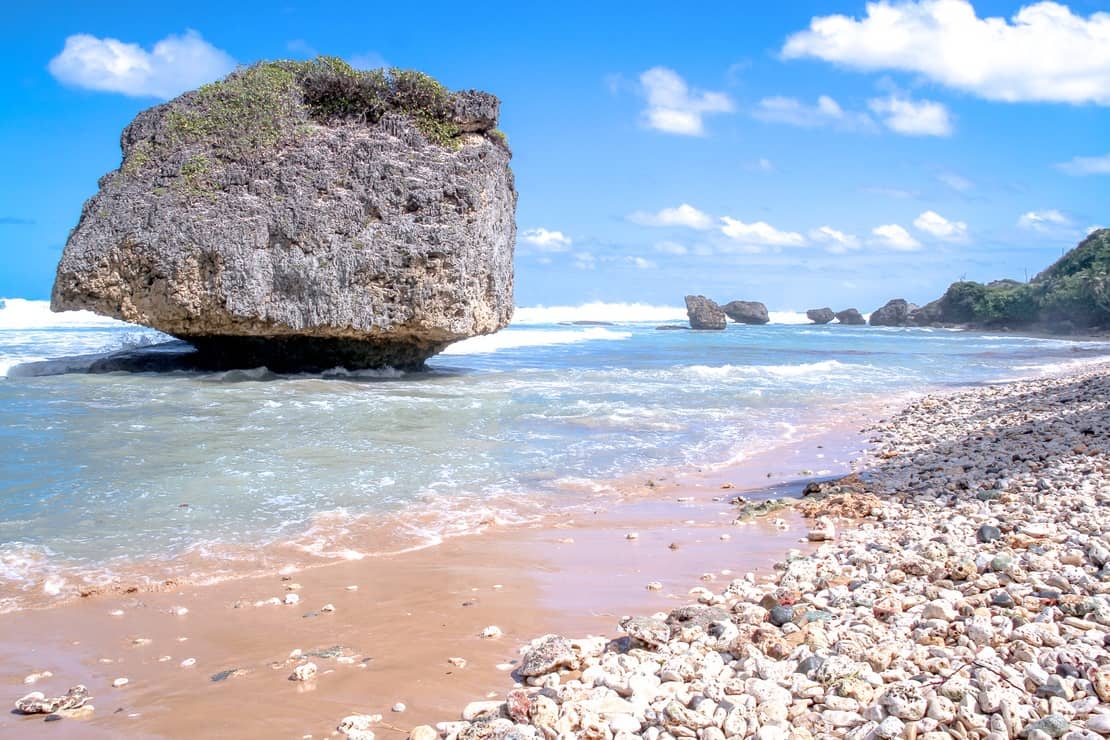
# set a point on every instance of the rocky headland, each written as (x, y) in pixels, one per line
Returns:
(303, 215)
(1070, 296)
(962, 593)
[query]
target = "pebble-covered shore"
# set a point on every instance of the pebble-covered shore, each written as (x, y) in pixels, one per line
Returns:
(968, 596)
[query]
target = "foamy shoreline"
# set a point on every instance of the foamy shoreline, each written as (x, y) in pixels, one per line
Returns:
(970, 601)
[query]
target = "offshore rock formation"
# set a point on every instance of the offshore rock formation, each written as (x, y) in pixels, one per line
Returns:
(303, 215)
(746, 312)
(896, 312)
(820, 315)
(704, 313)
(850, 317)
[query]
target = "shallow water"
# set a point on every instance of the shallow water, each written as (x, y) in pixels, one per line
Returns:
(181, 474)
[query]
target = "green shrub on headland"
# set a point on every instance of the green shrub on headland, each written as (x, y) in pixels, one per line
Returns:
(258, 107)
(1072, 294)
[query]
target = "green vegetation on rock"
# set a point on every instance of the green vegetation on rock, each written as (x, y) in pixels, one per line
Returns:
(1073, 293)
(257, 107)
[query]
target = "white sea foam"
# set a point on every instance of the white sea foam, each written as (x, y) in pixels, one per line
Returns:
(598, 311)
(788, 317)
(20, 313)
(512, 338)
(805, 369)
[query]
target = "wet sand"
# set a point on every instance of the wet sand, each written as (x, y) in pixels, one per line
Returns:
(575, 573)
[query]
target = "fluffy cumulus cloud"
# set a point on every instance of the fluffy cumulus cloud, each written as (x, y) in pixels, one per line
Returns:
(1086, 166)
(642, 264)
(912, 117)
(1045, 52)
(683, 215)
(675, 108)
(1045, 220)
(759, 233)
(825, 112)
(937, 225)
(172, 66)
(835, 241)
(545, 240)
(893, 236)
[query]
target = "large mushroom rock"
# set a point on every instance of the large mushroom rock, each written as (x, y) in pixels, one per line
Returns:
(304, 215)
(820, 315)
(895, 313)
(850, 317)
(746, 312)
(704, 313)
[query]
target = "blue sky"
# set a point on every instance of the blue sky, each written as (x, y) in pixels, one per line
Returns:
(765, 152)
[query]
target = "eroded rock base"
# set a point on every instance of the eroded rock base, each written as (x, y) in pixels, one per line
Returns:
(310, 354)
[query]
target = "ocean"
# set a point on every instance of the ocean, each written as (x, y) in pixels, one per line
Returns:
(128, 478)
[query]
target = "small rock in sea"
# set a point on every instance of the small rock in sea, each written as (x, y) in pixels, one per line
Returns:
(188, 662)
(119, 683)
(116, 613)
(229, 673)
(492, 632)
(359, 723)
(292, 587)
(632, 536)
(726, 536)
(179, 611)
(303, 672)
(654, 586)
(165, 658)
(291, 599)
(457, 662)
(36, 677)
(423, 732)
(141, 641)
(327, 608)
(988, 533)
(673, 546)
(352, 588)
(37, 703)
(295, 654)
(399, 707)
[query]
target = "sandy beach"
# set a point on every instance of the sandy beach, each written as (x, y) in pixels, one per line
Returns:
(908, 605)
(223, 664)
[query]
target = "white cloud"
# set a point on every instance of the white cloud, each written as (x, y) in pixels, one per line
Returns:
(670, 248)
(1043, 53)
(895, 237)
(956, 182)
(172, 66)
(912, 117)
(933, 223)
(1093, 229)
(1043, 220)
(760, 233)
(584, 261)
(547, 241)
(826, 112)
(683, 215)
(1086, 166)
(836, 241)
(674, 108)
(642, 264)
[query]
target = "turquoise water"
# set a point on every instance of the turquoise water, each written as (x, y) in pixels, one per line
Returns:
(179, 474)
